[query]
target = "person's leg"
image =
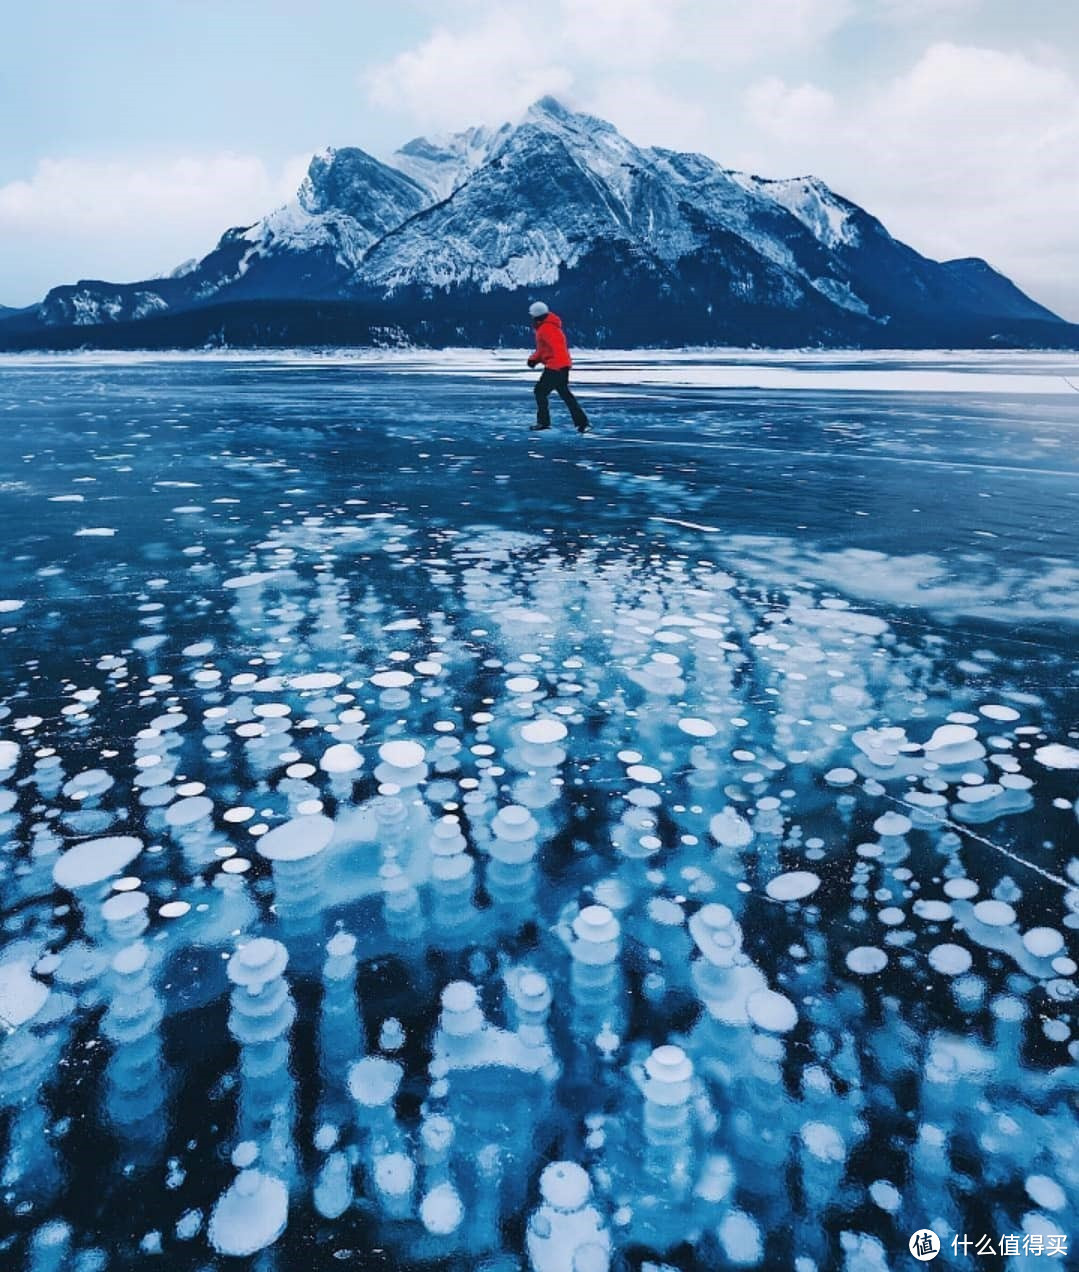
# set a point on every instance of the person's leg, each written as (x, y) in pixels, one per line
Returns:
(575, 408)
(544, 386)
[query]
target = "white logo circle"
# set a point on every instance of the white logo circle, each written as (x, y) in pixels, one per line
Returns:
(924, 1245)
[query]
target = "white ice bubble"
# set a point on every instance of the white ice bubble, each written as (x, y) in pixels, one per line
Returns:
(949, 735)
(840, 776)
(249, 1215)
(1057, 756)
(543, 732)
(441, 1211)
(565, 1186)
(993, 711)
(95, 860)
(392, 679)
(892, 824)
(342, 757)
(823, 1142)
(741, 1239)
(696, 727)
(21, 995)
(402, 754)
(792, 886)
(771, 1011)
(315, 680)
(1046, 1192)
(730, 830)
(186, 812)
(9, 607)
(644, 773)
(297, 839)
(1043, 942)
(949, 959)
(994, 913)
(174, 909)
(867, 960)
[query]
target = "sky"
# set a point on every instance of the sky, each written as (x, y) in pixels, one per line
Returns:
(133, 132)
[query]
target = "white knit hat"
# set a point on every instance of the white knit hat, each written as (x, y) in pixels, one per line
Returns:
(537, 309)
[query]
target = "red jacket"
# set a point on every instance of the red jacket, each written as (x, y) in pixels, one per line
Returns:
(551, 347)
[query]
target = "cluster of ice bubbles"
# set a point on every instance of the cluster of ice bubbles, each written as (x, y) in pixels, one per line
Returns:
(611, 899)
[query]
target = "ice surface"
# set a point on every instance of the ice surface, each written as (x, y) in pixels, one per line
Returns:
(421, 805)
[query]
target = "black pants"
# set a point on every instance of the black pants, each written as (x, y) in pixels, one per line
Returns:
(557, 382)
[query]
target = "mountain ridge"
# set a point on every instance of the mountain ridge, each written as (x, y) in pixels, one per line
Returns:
(563, 206)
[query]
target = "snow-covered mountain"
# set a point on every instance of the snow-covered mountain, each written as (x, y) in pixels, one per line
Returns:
(451, 237)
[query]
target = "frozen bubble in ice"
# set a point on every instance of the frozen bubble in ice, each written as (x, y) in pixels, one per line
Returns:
(892, 824)
(543, 732)
(315, 680)
(792, 886)
(186, 812)
(932, 911)
(174, 909)
(696, 727)
(395, 1174)
(9, 607)
(669, 1064)
(644, 773)
(1045, 1192)
(730, 830)
(256, 963)
(960, 889)
(593, 1257)
(840, 776)
(342, 757)
(441, 1211)
(771, 1011)
(241, 813)
(949, 735)
(402, 754)
(993, 711)
(522, 684)
(1057, 756)
(249, 1215)
(949, 959)
(994, 913)
(823, 1142)
(21, 996)
(95, 860)
(741, 1239)
(565, 1186)
(374, 1081)
(885, 1195)
(867, 960)
(245, 1154)
(9, 754)
(1043, 942)
(392, 679)
(296, 839)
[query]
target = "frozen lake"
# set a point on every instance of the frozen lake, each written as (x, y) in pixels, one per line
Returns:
(428, 844)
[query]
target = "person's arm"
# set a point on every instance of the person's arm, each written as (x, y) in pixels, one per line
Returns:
(543, 350)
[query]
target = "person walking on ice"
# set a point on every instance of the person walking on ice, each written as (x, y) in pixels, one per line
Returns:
(553, 352)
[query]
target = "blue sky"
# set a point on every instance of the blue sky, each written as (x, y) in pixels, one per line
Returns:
(132, 134)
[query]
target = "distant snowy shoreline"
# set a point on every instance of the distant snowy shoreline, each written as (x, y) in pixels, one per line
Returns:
(897, 371)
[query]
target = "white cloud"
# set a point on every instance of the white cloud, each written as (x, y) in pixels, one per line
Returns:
(481, 74)
(497, 59)
(124, 219)
(969, 152)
